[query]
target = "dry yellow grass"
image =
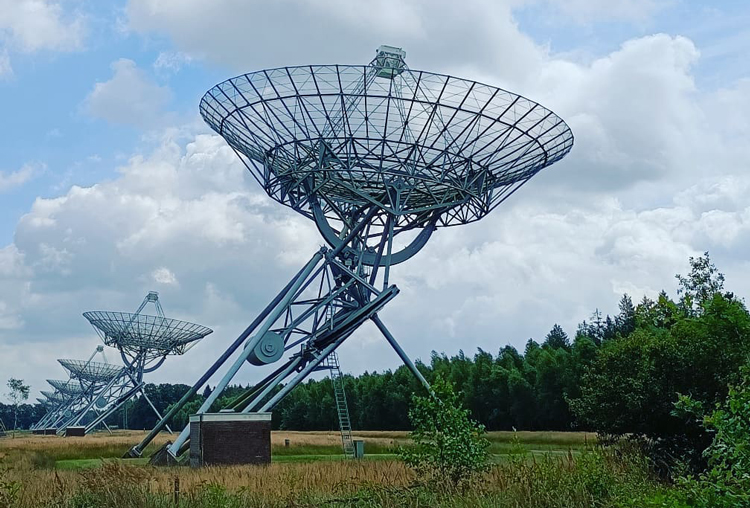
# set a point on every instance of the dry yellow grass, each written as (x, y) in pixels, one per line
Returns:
(114, 445)
(105, 445)
(275, 482)
(278, 484)
(334, 438)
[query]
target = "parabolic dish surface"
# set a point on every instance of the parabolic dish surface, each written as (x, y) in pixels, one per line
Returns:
(440, 144)
(66, 387)
(52, 397)
(91, 371)
(134, 332)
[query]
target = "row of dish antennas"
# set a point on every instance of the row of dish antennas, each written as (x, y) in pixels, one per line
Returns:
(95, 390)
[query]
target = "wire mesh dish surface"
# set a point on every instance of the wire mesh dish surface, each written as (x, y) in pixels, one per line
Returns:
(412, 142)
(91, 371)
(66, 387)
(134, 332)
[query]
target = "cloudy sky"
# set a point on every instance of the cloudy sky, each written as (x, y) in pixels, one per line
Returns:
(111, 185)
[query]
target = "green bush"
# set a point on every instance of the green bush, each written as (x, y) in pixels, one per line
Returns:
(726, 482)
(450, 449)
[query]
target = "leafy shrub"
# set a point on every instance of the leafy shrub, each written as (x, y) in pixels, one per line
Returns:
(449, 449)
(726, 482)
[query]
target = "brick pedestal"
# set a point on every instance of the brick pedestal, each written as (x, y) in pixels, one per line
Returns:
(75, 431)
(230, 438)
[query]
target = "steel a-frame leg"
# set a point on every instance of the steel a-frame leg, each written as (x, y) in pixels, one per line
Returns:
(400, 352)
(116, 395)
(95, 394)
(324, 320)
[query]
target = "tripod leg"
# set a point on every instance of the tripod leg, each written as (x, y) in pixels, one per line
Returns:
(143, 392)
(400, 352)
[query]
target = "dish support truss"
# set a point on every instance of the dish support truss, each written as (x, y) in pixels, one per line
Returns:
(321, 306)
(103, 398)
(102, 394)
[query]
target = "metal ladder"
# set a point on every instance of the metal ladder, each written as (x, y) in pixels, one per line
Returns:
(342, 408)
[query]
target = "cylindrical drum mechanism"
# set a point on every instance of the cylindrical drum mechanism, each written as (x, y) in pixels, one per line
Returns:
(268, 349)
(379, 156)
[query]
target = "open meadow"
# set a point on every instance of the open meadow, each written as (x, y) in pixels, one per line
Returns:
(532, 469)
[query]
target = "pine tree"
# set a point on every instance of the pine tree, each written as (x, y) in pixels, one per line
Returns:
(625, 320)
(557, 338)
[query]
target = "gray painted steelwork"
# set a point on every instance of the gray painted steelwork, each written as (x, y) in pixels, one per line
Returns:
(379, 156)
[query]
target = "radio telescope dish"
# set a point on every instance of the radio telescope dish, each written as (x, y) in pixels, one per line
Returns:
(51, 396)
(95, 372)
(66, 387)
(429, 149)
(379, 156)
(132, 333)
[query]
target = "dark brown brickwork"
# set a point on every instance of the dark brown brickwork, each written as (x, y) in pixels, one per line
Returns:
(75, 431)
(230, 442)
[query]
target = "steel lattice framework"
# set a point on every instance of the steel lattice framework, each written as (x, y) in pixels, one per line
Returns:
(51, 397)
(379, 156)
(425, 147)
(98, 389)
(73, 399)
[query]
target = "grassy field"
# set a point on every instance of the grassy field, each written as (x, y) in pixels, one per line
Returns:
(48, 471)
(74, 452)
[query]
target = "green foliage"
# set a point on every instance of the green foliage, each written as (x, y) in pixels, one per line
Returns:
(633, 382)
(726, 482)
(9, 489)
(19, 392)
(557, 338)
(702, 283)
(449, 448)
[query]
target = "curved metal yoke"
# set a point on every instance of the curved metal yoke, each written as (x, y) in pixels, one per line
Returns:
(424, 149)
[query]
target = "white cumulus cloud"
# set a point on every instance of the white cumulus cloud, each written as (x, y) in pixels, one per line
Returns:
(29, 26)
(130, 97)
(658, 173)
(13, 179)
(164, 275)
